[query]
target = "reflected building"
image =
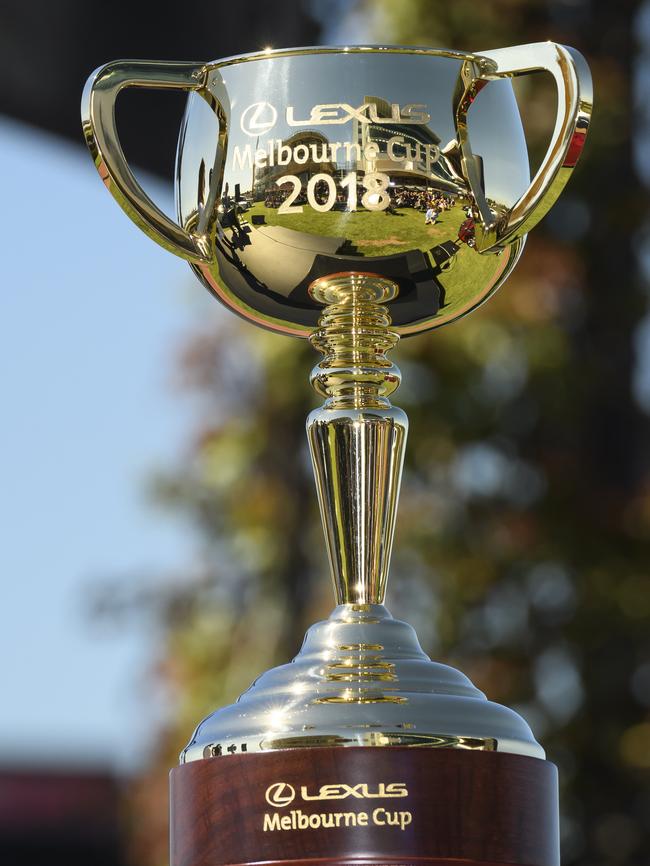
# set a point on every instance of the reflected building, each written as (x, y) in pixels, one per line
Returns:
(303, 154)
(424, 158)
(411, 154)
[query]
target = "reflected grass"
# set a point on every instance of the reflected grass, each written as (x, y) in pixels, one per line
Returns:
(380, 233)
(373, 233)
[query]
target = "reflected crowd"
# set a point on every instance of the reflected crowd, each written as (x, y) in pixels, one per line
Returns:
(400, 196)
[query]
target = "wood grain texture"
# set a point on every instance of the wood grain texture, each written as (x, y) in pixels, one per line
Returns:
(465, 806)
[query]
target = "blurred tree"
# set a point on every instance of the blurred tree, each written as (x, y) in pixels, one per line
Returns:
(521, 549)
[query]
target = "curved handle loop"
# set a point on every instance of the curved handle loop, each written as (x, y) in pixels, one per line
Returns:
(574, 103)
(98, 116)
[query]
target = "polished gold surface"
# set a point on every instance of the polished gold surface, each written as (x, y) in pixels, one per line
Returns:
(356, 438)
(299, 163)
(391, 738)
(497, 227)
(346, 688)
(100, 132)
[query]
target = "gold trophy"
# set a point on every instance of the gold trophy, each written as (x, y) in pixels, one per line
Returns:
(291, 166)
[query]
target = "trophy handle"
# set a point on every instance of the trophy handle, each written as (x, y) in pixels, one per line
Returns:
(574, 102)
(98, 116)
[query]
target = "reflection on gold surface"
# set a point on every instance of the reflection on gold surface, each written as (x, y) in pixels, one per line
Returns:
(362, 697)
(390, 738)
(300, 163)
(419, 700)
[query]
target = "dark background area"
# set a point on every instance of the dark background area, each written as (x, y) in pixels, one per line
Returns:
(47, 50)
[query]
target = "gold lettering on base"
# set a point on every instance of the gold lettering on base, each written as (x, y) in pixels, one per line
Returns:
(296, 819)
(282, 794)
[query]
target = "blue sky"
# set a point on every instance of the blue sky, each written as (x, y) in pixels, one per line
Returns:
(91, 314)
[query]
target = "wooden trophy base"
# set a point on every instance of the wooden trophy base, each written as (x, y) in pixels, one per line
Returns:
(365, 805)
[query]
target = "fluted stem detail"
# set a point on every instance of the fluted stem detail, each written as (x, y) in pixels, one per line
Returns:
(357, 437)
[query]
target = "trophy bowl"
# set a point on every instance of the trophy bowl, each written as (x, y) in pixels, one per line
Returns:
(354, 195)
(300, 163)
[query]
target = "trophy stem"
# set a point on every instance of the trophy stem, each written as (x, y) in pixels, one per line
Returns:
(357, 437)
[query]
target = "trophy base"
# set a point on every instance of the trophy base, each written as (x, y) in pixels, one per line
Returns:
(360, 679)
(365, 805)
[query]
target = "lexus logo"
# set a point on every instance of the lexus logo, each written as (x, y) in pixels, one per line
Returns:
(258, 118)
(280, 794)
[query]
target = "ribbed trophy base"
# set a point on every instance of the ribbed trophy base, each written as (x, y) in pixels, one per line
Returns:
(365, 805)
